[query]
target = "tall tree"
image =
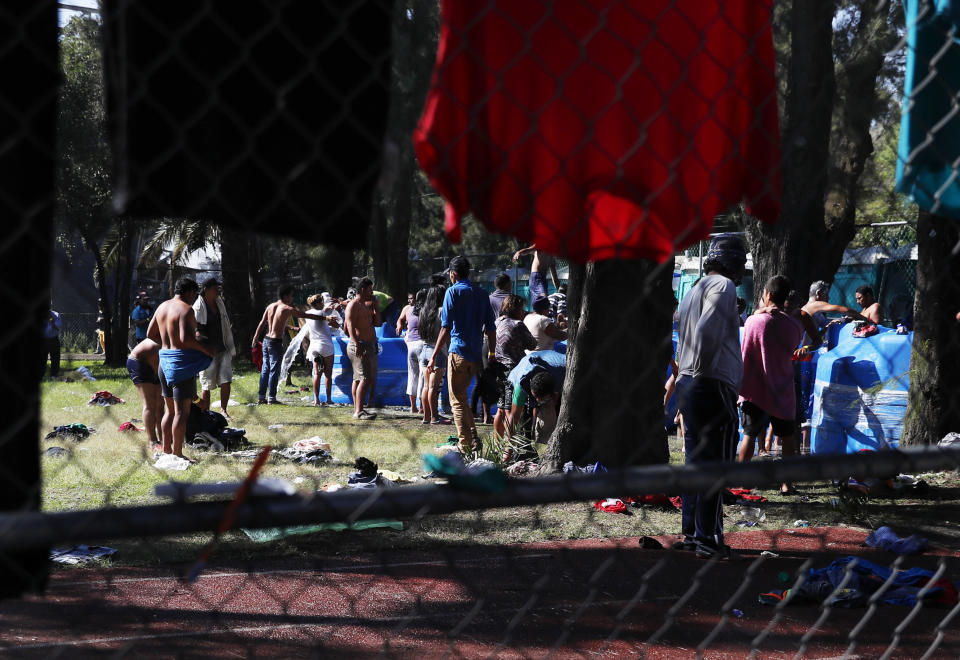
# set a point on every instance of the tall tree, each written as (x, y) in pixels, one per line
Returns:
(618, 351)
(83, 186)
(416, 28)
(833, 96)
(934, 400)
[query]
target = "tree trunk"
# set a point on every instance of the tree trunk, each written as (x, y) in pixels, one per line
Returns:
(398, 249)
(116, 351)
(258, 294)
(786, 247)
(109, 311)
(236, 286)
(934, 404)
(617, 356)
(819, 193)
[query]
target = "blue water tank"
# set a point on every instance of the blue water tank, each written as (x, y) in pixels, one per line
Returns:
(860, 393)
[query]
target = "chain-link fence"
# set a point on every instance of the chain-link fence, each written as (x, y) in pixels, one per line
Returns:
(576, 491)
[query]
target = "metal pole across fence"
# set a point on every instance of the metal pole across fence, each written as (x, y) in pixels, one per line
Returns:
(20, 530)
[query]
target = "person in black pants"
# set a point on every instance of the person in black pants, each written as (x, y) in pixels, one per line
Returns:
(710, 370)
(51, 342)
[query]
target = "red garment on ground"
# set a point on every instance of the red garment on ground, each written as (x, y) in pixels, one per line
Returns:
(603, 128)
(652, 499)
(127, 426)
(616, 506)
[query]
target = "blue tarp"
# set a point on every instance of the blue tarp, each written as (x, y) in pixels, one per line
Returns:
(860, 393)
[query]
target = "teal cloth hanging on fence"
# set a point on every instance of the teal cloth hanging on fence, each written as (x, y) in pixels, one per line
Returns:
(928, 158)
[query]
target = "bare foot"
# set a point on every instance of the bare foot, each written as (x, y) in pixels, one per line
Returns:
(223, 411)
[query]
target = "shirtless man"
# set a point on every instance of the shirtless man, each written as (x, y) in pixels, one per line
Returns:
(274, 322)
(818, 307)
(538, 279)
(870, 308)
(362, 348)
(182, 357)
(143, 363)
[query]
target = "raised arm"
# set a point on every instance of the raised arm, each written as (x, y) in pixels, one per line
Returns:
(527, 250)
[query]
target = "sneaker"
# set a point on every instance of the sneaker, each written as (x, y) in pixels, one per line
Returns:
(723, 553)
(441, 420)
(686, 545)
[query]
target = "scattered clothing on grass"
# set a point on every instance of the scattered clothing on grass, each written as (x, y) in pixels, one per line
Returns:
(80, 554)
(104, 398)
(75, 432)
(128, 426)
(171, 462)
(865, 579)
(274, 533)
(611, 505)
(590, 468)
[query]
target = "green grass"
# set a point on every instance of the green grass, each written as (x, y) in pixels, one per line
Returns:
(113, 469)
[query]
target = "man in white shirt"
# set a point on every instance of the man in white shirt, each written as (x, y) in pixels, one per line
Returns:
(542, 327)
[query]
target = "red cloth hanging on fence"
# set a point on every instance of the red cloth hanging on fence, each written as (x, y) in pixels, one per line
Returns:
(603, 128)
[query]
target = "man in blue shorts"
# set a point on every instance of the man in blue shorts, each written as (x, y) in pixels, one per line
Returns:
(143, 364)
(182, 357)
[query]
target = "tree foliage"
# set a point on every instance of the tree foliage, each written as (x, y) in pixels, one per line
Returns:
(83, 211)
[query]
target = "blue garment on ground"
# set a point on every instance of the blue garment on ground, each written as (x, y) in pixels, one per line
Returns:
(929, 154)
(467, 314)
(179, 364)
(867, 577)
(551, 361)
(885, 538)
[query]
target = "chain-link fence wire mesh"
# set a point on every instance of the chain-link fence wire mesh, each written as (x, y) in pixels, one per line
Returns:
(436, 560)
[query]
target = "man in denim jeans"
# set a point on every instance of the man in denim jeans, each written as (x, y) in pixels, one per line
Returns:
(272, 326)
(465, 317)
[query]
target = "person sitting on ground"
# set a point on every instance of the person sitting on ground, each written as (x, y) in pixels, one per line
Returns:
(363, 347)
(182, 357)
(513, 340)
(429, 328)
(869, 306)
(767, 393)
(272, 326)
(541, 396)
(142, 366)
(542, 327)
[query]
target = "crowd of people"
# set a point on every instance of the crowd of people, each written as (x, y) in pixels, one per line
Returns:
(453, 331)
(456, 333)
(722, 380)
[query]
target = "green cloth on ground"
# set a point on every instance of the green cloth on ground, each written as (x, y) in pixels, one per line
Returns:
(274, 533)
